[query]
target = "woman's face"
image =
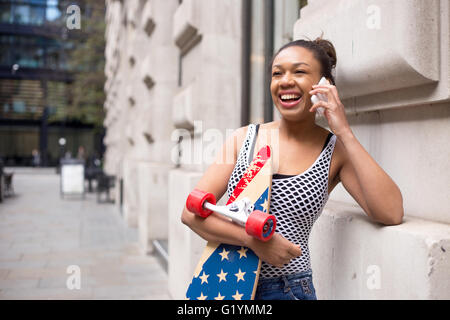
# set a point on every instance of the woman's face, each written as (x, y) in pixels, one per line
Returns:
(294, 72)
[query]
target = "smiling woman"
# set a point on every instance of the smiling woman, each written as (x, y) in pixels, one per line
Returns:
(309, 160)
(319, 54)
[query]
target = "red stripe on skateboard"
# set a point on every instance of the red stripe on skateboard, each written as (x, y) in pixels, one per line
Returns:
(252, 170)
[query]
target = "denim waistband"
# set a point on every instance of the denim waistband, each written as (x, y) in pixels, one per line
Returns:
(284, 280)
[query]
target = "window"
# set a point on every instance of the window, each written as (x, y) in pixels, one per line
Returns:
(31, 52)
(272, 24)
(29, 12)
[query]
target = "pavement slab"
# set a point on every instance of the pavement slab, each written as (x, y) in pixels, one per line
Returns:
(76, 248)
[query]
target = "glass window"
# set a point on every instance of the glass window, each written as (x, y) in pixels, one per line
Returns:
(19, 106)
(53, 58)
(5, 59)
(21, 14)
(5, 13)
(30, 12)
(285, 15)
(257, 63)
(27, 100)
(32, 52)
(6, 107)
(52, 12)
(37, 15)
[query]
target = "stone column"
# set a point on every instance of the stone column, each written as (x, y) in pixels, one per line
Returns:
(141, 74)
(207, 34)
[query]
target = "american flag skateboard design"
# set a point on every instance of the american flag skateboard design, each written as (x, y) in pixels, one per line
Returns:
(227, 272)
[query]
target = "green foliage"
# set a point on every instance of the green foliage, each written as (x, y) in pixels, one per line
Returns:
(302, 3)
(87, 61)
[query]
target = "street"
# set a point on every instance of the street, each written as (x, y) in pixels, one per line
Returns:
(73, 248)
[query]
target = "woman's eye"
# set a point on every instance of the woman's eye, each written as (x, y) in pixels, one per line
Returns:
(276, 73)
(300, 71)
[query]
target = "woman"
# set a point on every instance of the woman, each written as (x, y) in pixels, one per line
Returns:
(309, 160)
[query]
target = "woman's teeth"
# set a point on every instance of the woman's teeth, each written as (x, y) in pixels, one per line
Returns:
(290, 97)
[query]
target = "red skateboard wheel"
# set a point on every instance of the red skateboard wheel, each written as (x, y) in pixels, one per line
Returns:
(260, 225)
(196, 200)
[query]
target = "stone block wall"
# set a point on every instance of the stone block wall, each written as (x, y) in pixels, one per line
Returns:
(141, 81)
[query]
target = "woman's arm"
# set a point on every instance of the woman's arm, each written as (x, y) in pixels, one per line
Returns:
(362, 177)
(369, 184)
(214, 180)
(277, 251)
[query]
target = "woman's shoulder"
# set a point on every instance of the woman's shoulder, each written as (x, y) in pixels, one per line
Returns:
(240, 133)
(236, 139)
(323, 131)
(269, 125)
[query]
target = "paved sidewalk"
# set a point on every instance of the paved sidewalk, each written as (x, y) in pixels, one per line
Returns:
(41, 235)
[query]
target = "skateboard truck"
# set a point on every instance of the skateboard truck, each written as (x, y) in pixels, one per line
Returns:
(237, 211)
(257, 223)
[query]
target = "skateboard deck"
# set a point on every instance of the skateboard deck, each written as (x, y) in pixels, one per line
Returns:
(228, 272)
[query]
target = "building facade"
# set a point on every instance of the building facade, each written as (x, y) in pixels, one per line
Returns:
(36, 84)
(181, 74)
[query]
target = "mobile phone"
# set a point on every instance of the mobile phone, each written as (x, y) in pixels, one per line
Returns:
(320, 96)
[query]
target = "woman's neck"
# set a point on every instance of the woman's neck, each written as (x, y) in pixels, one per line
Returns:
(299, 130)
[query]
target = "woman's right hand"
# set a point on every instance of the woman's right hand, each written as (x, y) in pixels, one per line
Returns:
(277, 251)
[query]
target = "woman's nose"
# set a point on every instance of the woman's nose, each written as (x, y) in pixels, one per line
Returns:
(287, 79)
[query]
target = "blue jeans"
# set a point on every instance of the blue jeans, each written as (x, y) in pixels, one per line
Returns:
(298, 286)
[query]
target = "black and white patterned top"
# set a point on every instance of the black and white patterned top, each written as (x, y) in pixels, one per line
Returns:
(296, 201)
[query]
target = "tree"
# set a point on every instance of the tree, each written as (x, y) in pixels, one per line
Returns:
(86, 60)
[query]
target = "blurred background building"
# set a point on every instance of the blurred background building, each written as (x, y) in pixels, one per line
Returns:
(42, 70)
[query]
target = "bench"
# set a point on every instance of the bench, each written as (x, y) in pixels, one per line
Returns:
(104, 184)
(8, 184)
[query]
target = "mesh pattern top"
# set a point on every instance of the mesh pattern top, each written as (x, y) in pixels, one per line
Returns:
(296, 201)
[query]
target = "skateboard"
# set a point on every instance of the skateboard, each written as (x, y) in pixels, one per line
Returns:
(228, 272)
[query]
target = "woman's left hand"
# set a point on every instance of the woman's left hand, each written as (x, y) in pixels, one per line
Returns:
(334, 110)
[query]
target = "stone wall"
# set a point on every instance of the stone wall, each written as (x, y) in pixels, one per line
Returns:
(142, 78)
(173, 70)
(207, 34)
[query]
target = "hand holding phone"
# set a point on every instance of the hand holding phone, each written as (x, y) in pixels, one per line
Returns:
(320, 96)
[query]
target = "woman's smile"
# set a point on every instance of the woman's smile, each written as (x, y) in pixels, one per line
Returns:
(289, 98)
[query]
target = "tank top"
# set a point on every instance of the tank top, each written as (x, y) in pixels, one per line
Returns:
(296, 201)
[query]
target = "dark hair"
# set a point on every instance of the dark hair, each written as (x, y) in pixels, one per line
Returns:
(323, 51)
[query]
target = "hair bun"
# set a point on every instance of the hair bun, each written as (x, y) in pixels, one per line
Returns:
(328, 47)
